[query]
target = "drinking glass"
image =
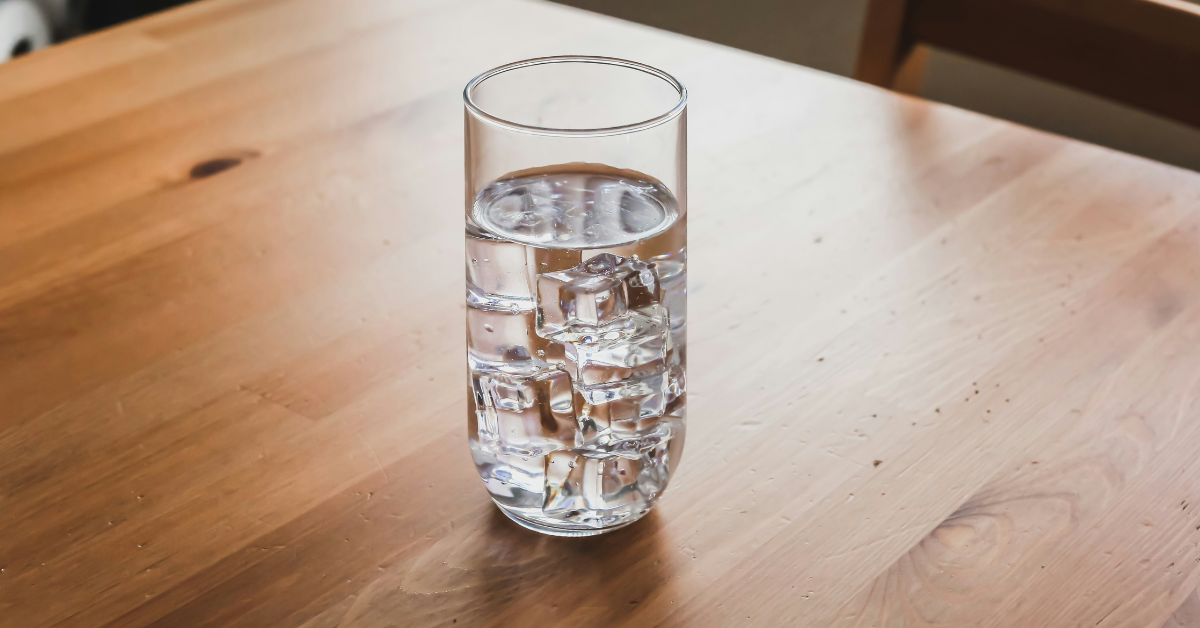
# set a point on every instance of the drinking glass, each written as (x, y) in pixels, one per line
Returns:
(576, 255)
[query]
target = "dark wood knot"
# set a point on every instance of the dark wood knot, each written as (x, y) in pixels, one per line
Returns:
(220, 164)
(214, 166)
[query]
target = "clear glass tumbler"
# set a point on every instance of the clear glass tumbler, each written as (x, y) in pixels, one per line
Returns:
(576, 251)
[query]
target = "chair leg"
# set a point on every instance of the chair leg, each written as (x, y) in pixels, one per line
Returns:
(910, 77)
(884, 44)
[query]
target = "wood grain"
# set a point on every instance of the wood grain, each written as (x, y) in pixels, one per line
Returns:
(231, 345)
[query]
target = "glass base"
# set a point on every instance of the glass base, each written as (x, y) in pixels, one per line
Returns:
(562, 530)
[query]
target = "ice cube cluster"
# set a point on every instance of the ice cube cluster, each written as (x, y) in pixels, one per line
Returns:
(577, 383)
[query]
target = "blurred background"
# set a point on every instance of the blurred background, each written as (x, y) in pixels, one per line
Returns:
(828, 35)
(26, 25)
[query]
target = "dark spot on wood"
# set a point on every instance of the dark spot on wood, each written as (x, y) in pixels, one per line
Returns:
(208, 168)
(820, 359)
(217, 165)
(878, 462)
(1166, 307)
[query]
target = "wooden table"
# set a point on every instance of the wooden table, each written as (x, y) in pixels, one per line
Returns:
(945, 370)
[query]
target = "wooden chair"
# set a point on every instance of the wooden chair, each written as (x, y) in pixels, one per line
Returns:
(1144, 53)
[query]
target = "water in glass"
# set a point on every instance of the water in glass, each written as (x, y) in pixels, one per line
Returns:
(576, 335)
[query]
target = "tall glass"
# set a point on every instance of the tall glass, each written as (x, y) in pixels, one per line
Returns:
(576, 251)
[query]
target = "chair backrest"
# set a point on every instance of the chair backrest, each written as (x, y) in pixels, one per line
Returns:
(1144, 53)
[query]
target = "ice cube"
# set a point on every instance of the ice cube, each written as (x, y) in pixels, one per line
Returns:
(625, 438)
(568, 298)
(641, 283)
(628, 399)
(575, 483)
(632, 346)
(659, 463)
(524, 406)
(640, 413)
(676, 388)
(496, 275)
(625, 417)
(602, 491)
(592, 294)
(515, 481)
(492, 335)
(539, 261)
(671, 270)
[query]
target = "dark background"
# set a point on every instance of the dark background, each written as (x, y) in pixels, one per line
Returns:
(96, 14)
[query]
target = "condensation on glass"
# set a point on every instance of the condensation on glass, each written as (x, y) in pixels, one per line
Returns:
(576, 288)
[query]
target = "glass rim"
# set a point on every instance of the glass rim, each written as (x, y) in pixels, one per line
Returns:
(634, 127)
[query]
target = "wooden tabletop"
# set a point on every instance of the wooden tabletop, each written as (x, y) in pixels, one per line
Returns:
(945, 370)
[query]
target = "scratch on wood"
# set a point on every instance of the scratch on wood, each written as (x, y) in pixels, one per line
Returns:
(869, 544)
(373, 455)
(1108, 613)
(914, 463)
